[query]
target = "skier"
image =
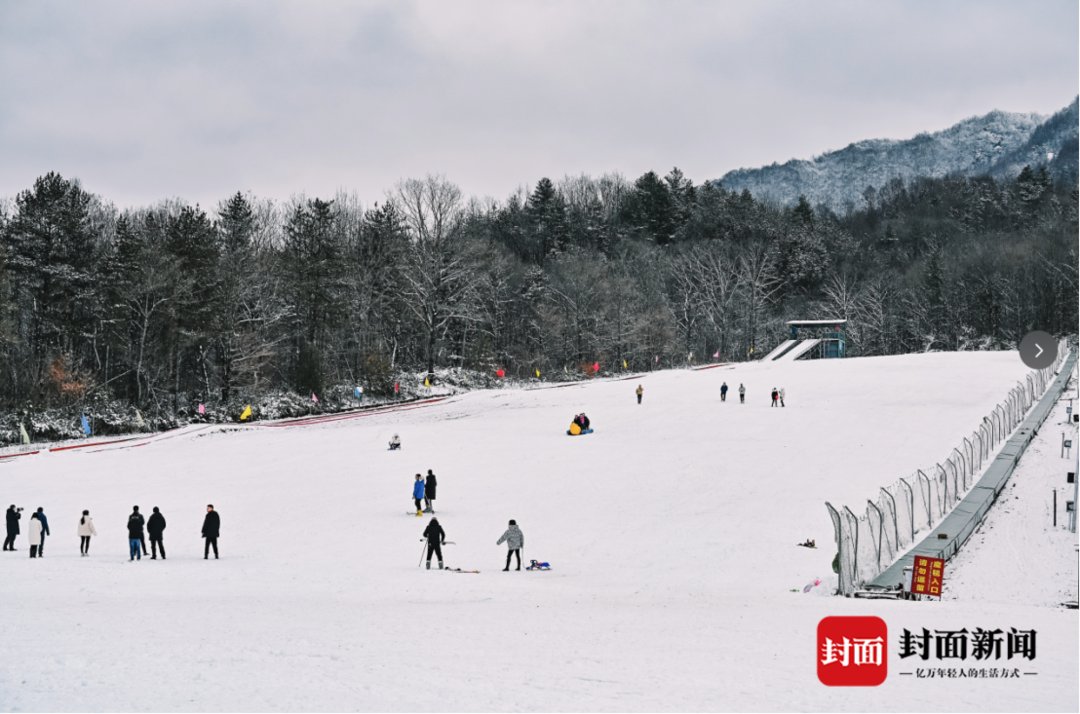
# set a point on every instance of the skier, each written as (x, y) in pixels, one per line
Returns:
(723, 392)
(775, 396)
(211, 529)
(436, 537)
(515, 541)
(781, 396)
(429, 491)
(639, 391)
(13, 516)
(742, 393)
(135, 533)
(395, 443)
(418, 493)
(36, 534)
(86, 529)
(156, 528)
(44, 531)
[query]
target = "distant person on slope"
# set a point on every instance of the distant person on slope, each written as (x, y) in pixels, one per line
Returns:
(775, 396)
(211, 529)
(13, 516)
(156, 528)
(515, 541)
(86, 529)
(742, 394)
(395, 443)
(36, 535)
(418, 493)
(436, 537)
(135, 533)
(723, 392)
(44, 531)
(430, 485)
(639, 391)
(781, 396)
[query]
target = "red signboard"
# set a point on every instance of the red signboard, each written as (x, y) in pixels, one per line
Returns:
(927, 576)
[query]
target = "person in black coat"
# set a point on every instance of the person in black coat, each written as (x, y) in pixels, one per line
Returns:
(44, 531)
(436, 536)
(211, 529)
(156, 528)
(13, 516)
(135, 533)
(429, 491)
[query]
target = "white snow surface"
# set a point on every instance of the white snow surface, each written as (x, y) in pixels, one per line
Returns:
(671, 531)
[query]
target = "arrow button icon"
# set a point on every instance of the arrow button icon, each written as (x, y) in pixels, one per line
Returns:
(1032, 352)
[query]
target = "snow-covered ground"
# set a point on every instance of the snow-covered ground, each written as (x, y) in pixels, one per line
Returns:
(671, 530)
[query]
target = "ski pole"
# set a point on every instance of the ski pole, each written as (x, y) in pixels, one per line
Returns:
(421, 562)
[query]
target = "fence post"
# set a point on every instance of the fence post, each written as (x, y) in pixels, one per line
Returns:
(853, 524)
(896, 528)
(926, 497)
(910, 526)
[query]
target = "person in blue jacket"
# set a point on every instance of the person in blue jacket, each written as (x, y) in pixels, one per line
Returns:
(44, 530)
(418, 494)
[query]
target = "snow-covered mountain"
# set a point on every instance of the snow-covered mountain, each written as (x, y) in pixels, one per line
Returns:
(999, 144)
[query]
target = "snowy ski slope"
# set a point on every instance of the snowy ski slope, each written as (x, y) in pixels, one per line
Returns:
(671, 531)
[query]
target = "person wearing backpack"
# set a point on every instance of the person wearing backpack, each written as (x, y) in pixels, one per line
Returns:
(155, 528)
(86, 529)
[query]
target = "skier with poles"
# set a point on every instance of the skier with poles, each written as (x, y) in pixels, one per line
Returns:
(436, 538)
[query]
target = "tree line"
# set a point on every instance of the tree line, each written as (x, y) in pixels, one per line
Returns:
(165, 306)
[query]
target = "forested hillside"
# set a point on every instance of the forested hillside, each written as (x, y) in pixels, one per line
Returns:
(163, 307)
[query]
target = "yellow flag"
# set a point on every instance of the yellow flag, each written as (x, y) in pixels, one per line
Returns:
(538, 374)
(427, 382)
(244, 415)
(624, 364)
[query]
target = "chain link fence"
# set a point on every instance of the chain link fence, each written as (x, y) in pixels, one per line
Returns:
(871, 540)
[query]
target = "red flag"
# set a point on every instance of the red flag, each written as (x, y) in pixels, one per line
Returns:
(716, 354)
(500, 373)
(596, 367)
(314, 398)
(397, 387)
(202, 408)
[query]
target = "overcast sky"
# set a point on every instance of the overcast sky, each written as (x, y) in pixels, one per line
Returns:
(152, 100)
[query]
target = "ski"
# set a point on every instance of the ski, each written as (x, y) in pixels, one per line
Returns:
(459, 570)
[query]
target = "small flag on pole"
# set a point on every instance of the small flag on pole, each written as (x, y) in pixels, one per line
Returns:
(716, 355)
(397, 387)
(139, 419)
(538, 373)
(500, 373)
(22, 432)
(85, 426)
(202, 408)
(656, 359)
(427, 382)
(624, 365)
(246, 414)
(357, 392)
(596, 367)
(314, 398)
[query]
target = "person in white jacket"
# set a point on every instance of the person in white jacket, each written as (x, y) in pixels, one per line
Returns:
(86, 529)
(35, 534)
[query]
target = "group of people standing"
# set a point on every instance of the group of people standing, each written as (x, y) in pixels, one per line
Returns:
(138, 529)
(777, 394)
(424, 490)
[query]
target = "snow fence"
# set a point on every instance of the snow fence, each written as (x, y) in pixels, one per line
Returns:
(871, 539)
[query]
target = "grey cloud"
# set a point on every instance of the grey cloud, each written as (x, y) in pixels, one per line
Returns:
(145, 101)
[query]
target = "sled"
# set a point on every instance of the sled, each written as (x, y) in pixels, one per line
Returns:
(581, 433)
